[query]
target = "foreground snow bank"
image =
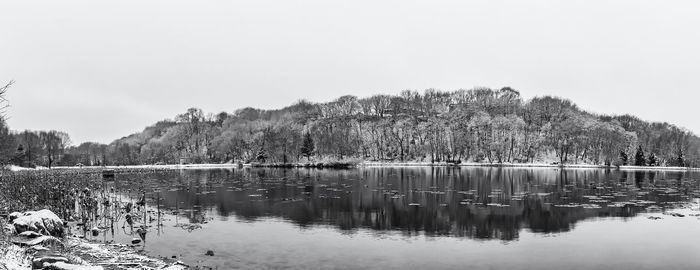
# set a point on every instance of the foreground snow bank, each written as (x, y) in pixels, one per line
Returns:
(36, 241)
(117, 255)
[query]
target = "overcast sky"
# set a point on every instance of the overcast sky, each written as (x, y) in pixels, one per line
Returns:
(101, 70)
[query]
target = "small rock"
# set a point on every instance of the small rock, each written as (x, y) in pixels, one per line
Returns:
(95, 231)
(14, 215)
(42, 240)
(135, 241)
(67, 266)
(655, 218)
(38, 263)
(209, 253)
(39, 248)
(30, 234)
(177, 266)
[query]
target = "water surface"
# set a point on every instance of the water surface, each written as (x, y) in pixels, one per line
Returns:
(421, 218)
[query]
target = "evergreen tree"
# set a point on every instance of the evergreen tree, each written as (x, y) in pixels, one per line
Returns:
(307, 147)
(651, 161)
(639, 159)
(623, 157)
(18, 159)
(261, 156)
(680, 160)
(8, 144)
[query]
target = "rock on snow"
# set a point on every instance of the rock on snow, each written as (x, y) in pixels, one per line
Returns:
(42, 221)
(67, 266)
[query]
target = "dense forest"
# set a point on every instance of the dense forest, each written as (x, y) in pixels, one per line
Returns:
(478, 125)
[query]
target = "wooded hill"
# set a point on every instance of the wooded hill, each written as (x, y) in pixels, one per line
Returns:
(478, 125)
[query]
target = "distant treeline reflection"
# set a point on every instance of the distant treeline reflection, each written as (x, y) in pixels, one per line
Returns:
(483, 203)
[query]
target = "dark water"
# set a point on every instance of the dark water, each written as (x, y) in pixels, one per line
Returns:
(422, 218)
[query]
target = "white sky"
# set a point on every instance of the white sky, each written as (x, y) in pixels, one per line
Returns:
(100, 70)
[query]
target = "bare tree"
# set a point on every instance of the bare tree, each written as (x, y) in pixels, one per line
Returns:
(4, 104)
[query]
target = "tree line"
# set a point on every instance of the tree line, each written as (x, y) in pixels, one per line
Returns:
(476, 125)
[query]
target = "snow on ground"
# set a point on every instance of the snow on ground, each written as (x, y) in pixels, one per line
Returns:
(173, 167)
(16, 168)
(113, 255)
(14, 257)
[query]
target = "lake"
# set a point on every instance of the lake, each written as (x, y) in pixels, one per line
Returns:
(419, 218)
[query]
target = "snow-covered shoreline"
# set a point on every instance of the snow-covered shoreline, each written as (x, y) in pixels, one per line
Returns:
(369, 165)
(523, 165)
(89, 255)
(165, 167)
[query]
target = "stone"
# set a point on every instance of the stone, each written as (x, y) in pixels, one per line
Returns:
(14, 215)
(39, 249)
(176, 267)
(38, 263)
(68, 266)
(676, 214)
(209, 253)
(41, 240)
(43, 221)
(30, 234)
(135, 241)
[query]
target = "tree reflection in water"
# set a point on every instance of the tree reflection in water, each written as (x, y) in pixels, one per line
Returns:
(481, 203)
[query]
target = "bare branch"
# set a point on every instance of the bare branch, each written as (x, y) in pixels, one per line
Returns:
(7, 86)
(4, 104)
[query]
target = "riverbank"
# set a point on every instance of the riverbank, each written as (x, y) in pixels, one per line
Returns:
(523, 165)
(345, 165)
(163, 166)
